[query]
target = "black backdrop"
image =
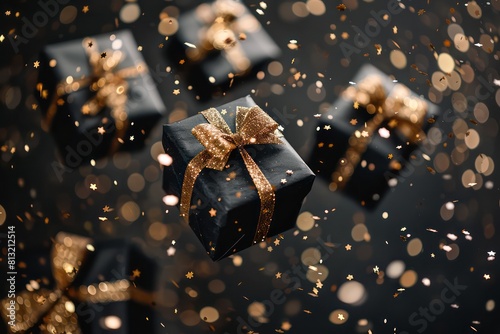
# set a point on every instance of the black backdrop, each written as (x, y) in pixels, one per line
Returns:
(40, 204)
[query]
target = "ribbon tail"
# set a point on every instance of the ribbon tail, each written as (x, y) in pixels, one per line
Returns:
(355, 151)
(266, 195)
(193, 169)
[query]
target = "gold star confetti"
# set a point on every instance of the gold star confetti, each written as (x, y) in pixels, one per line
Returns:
(340, 316)
(376, 270)
(93, 186)
(315, 291)
(103, 55)
(136, 273)
(353, 121)
(378, 47)
(421, 12)
(350, 277)
(433, 255)
(223, 111)
(182, 61)
(327, 127)
(492, 253)
(7, 13)
(85, 9)
(348, 247)
(177, 91)
(101, 130)
(283, 181)
(34, 106)
(107, 208)
(364, 134)
(131, 138)
(289, 172)
(395, 30)
(319, 285)
(356, 105)
(189, 275)
(389, 156)
(277, 275)
(486, 276)
(341, 7)
(36, 64)
(276, 242)
(139, 48)
(2, 38)
(212, 212)
(160, 45)
(269, 249)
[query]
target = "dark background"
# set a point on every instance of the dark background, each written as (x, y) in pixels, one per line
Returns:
(39, 204)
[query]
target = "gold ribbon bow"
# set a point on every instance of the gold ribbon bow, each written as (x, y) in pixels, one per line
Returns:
(226, 22)
(401, 110)
(106, 81)
(253, 126)
(54, 310)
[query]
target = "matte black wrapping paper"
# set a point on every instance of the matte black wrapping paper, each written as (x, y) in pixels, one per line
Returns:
(77, 134)
(232, 192)
(369, 180)
(257, 47)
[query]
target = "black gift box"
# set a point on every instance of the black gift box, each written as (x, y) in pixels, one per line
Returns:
(231, 192)
(105, 261)
(370, 178)
(210, 71)
(83, 137)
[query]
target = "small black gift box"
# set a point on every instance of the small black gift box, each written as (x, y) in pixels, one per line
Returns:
(364, 140)
(221, 41)
(231, 208)
(96, 96)
(99, 287)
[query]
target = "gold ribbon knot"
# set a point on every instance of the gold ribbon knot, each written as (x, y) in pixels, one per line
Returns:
(253, 127)
(226, 23)
(54, 310)
(401, 110)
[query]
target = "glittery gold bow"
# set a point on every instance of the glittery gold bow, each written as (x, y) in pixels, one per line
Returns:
(108, 84)
(226, 23)
(401, 110)
(53, 311)
(253, 126)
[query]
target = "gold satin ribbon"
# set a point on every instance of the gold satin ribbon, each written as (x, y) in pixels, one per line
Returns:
(253, 126)
(107, 82)
(400, 109)
(225, 20)
(54, 309)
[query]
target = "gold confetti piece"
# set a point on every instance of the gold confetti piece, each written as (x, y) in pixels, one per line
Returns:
(278, 275)
(175, 284)
(93, 186)
(431, 170)
(190, 45)
(276, 242)
(319, 285)
(189, 275)
(176, 91)
(376, 270)
(341, 7)
(486, 276)
(353, 121)
(85, 9)
(356, 105)
(212, 212)
(348, 247)
(307, 311)
(171, 251)
(101, 130)
(350, 277)
(390, 156)
(36, 64)
(136, 273)
(421, 12)
(378, 47)
(289, 172)
(2, 38)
